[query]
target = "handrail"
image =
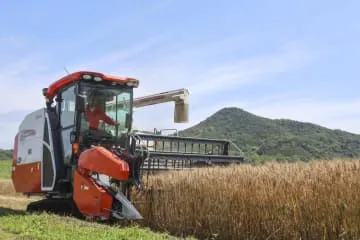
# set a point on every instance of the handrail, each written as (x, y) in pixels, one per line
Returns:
(202, 140)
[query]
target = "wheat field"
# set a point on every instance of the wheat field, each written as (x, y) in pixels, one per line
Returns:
(317, 200)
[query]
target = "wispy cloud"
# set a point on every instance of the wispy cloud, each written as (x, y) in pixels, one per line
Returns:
(201, 72)
(110, 61)
(252, 70)
(205, 81)
(21, 83)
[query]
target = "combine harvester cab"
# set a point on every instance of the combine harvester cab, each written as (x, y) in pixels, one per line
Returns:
(75, 152)
(81, 154)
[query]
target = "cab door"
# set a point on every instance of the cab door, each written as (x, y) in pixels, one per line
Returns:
(28, 153)
(67, 122)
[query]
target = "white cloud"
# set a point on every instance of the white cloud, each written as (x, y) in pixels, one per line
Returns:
(21, 84)
(203, 81)
(203, 76)
(107, 63)
(251, 70)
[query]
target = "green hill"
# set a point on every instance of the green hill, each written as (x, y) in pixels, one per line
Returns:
(262, 138)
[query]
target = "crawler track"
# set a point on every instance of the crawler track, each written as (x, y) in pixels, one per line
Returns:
(57, 206)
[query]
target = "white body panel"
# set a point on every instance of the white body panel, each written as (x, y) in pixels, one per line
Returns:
(31, 143)
(31, 134)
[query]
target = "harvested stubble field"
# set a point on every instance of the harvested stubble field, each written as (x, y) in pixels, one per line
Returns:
(317, 200)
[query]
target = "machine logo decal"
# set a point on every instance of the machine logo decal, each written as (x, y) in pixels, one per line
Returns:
(26, 133)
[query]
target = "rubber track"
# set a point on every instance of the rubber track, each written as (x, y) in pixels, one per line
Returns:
(57, 206)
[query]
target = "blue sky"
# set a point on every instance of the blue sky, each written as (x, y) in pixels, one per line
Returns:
(277, 59)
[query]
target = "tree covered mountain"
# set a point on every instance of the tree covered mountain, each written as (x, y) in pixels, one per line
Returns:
(281, 139)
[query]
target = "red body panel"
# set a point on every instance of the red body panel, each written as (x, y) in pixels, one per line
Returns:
(27, 177)
(91, 199)
(52, 90)
(101, 160)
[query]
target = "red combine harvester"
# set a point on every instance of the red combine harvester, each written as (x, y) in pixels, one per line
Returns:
(81, 154)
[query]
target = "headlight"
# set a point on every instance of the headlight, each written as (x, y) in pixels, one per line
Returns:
(133, 83)
(86, 76)
(97, 79)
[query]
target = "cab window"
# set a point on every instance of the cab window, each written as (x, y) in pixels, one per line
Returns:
(67, 113)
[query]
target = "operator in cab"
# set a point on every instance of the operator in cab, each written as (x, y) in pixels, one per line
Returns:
(95, 111)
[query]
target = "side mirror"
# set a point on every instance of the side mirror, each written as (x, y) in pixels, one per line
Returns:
(72, 137)
(80, 103)
(181, 112)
